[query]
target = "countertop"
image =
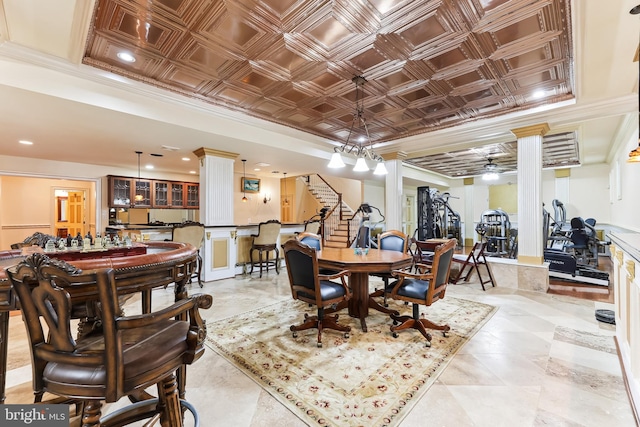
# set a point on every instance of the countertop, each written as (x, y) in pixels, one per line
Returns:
(139, 227)
(628, 242)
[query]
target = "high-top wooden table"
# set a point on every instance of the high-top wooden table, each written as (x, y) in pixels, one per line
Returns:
(375, 261)
(164, 263)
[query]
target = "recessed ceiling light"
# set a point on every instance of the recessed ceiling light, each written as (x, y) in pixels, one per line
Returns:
(256, 169)
(186, 159)
(193, 172)
(262, 164)
(126, 57)
(25, 142)
(538, 94)
(149, 167)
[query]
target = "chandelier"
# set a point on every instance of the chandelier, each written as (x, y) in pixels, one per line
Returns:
(361, 150)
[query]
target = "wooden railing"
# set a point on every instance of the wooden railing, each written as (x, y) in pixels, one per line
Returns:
(339, 214)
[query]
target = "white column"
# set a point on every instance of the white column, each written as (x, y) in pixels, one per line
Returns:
(393, 191)
(219, 252)
(216, 186)
(468, 219)
(530, 244)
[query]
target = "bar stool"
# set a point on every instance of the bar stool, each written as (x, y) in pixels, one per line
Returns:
(264, 242)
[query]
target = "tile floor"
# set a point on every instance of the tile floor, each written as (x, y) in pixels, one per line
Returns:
(542, 360)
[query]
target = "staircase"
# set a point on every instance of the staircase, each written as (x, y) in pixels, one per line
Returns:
(340, 225)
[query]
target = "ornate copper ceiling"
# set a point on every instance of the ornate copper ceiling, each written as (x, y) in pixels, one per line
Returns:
(429, 64)
(559, 151)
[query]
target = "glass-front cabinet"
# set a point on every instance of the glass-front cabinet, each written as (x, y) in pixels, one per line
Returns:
(120, 192)
(193, 196)
(161, 194)
(142, 193)
(177, 195)
(152, 193)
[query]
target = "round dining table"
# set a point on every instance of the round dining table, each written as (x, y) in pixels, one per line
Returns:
(360, 266)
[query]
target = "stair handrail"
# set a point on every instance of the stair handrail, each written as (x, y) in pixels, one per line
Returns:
(333, 201)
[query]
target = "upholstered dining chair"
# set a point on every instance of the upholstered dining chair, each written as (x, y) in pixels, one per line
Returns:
(264, 242)
(312, 227)
(423, 288)
(121, 358)
(193, 233)
(391, 240)
(315, 241)
(308, 285)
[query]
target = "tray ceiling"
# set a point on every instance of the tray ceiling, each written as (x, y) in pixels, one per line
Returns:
(428, 64)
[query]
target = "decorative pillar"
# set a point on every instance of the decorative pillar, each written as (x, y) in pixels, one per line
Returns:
(216, 186)
(219, 251)
(393, 190)
(468, 220)
(530, 244)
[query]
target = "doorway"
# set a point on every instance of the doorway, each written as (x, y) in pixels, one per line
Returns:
(69, 212)
(409, 215)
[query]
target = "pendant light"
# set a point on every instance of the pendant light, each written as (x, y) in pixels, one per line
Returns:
(363, 149)
(138, 197)
(244, 174)
(286, 201)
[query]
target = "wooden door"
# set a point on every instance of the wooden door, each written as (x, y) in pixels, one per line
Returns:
(76, 213)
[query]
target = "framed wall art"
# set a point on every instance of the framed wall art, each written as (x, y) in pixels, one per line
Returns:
(250, 185)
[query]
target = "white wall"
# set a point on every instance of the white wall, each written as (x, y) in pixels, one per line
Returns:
(625, 206)
(589, 193)
(254, 210)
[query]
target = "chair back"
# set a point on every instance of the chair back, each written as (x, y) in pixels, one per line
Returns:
(302, 268)
(268, 233)
(393, 240)
(44, 287)
(189, 232)
(441, 268)
(312, 227)
(310, 239)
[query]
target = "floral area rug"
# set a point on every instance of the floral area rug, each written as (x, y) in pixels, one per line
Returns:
(368, 379)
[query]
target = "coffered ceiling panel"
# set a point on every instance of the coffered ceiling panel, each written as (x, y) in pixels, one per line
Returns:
(428, 64)
(559, 151)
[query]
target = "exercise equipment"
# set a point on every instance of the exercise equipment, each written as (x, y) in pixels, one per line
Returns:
(494, 227)
(363, 238)
(570, 253)
(436, 218)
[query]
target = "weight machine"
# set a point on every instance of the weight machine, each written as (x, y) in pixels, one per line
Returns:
(495, 228)
(436, 218)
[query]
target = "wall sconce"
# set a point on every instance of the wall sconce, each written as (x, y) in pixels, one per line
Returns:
(266, 198)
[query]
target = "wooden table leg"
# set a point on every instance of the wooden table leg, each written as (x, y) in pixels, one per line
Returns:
(377, 306)
(359, 302)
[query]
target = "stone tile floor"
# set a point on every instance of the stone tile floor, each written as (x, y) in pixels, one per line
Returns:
(541, 360)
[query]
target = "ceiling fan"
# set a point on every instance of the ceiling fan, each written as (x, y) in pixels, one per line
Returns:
(490, 171)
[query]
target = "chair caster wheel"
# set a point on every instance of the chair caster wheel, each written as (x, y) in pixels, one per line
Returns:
(445, 334)
(346, 334)
(428, 344)
(295, 335)
(386, 304)
(319, 345)
(395, 335)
